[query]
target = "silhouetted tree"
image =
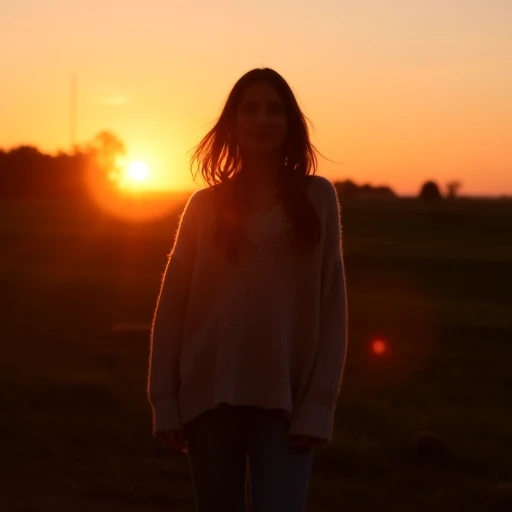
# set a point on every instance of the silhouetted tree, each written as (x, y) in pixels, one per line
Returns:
(349, 190)
(430, 191)
(346, 189)
(25, 172)
(107, 149)
(452, 189)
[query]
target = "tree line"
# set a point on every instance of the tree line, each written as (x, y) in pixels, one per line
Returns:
(25, 172)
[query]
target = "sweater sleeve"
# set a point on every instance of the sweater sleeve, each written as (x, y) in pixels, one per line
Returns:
(314, 414)
(167, 325)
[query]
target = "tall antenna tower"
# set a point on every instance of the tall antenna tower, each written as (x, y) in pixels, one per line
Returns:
(73, 120)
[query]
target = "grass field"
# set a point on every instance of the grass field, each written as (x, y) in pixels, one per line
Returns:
(432, 280)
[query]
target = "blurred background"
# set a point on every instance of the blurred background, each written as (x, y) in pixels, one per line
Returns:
(101, 104)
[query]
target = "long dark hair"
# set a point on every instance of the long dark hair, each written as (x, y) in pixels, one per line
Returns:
(217, 158)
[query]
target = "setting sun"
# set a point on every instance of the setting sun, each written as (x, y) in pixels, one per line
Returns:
(138, 171)
(135, 176)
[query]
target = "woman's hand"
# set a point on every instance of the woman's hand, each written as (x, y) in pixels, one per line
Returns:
(173, 440)
(303, 442)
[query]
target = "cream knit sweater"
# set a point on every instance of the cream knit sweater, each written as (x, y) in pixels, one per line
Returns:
(268, 332)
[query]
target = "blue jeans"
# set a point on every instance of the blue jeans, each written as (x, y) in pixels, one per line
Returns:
(224, 442)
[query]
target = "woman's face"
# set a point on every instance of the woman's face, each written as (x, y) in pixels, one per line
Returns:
(261, 122)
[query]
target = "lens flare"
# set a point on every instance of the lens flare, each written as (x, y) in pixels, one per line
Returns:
(379, 347)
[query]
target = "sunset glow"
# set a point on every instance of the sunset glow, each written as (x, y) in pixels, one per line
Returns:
(135, 176)
(140, 176)
(399, 92)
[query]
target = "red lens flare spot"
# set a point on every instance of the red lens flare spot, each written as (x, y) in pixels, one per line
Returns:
(379, 347)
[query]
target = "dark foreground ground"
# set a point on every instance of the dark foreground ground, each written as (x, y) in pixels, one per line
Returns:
(433, 281)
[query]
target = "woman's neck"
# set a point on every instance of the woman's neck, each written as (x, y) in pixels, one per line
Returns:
(260, 171)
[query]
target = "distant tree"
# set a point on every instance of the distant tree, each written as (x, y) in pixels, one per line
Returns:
(346, 189)
(452, 189)
(26, 172)
(107, 149)
(430, 191)
(349, 190)
(368, 191)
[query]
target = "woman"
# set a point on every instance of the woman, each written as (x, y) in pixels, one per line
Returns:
(249, 336)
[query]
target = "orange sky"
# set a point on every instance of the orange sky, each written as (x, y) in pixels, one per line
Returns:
(398, 91)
